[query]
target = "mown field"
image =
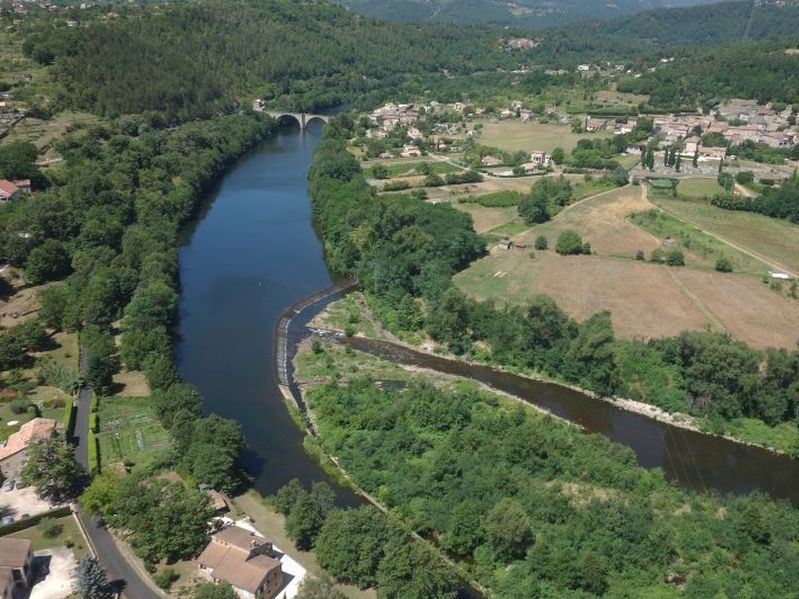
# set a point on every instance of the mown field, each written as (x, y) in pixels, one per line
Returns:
(699, 188)
(513, 135)
(646, 300)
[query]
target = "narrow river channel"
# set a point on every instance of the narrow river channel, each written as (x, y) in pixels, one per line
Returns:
(253, 252)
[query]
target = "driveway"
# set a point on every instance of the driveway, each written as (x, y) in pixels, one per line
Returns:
(19, 502)
(60, 580)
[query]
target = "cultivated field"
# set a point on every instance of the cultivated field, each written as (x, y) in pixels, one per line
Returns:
(515, 135)
(773, 239)
(646, 300)
(129, 430)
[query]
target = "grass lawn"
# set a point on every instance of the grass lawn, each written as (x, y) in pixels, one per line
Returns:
(777, 240)
(69, 534)
(585, 188)
(129, 430)
(699, 188)
(510, 229)
(6, 416)
(514, 135)
(784, 436)
(409, 169)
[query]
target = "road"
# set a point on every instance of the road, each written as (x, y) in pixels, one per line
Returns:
(122, 573)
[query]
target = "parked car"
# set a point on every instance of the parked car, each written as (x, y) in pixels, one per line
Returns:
(8, 485)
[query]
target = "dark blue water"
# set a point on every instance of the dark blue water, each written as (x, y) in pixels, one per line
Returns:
(249, 256)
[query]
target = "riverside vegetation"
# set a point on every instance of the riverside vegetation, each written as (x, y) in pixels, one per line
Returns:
(527, 505)
(405, 265)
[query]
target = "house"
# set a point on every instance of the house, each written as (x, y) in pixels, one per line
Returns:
(529, 167)
(13, 454)
(15, 565)
(539, 158)
(8, 191)
(691, 146)
(593, 124)
(244, 559)
(710, 153)
(491, 161)
(410, 152)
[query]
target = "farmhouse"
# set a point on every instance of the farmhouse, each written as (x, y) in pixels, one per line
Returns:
(539, 158)
(490, 161)
(243, 559)
(410, 152)
(15, 565)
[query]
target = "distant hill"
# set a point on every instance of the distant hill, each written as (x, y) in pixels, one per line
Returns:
(522, 13)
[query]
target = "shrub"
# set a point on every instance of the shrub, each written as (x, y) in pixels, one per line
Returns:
(658, 256)
(569, 243)
(541, 242)
(165, 578)
(396, 186)
(675, 258)
(744, 177)
(587, 248)
(639, 255)
(20, 406)
(50, 528)
(724, 264)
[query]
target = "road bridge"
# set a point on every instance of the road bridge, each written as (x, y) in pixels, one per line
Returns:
(302, 118)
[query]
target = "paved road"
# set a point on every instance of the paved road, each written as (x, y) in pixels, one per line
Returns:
(120, 571)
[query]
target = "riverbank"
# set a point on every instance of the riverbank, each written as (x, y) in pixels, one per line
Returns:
(331, 317)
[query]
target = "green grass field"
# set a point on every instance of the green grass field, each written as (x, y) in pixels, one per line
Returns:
(772, 238)
(129, 430)
(411, 169)
(514, 135)
(699, 188)
(69, 533)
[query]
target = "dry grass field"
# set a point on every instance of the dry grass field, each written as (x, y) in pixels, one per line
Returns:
(486, 219)
(646, 300)
(699, 188)
(514, 135)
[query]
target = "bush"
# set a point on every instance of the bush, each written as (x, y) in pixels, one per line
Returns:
(639, 255)
(675, 258)
(50, 528)
(724, 264)
(541, 242)
(658, 256)
(396, 186)
(165, 578)
(20, 406)
(569, 243)
(745, 177)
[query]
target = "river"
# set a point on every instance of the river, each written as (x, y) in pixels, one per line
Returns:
(253, 252)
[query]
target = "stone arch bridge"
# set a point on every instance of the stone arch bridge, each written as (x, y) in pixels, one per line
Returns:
(303, 118)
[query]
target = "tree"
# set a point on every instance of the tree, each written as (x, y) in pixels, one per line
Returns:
(380, 171)
(99, 497)
(308, 515)
(210, 590)
(463, 530)
(287, 496)
(47, 262)
(558, 156)
(92, 579)
(541, 242)
(51, 468)
(507, 529)
(675, 258)
(569, 243)
(317, 587)
(723, 264)
(351, 543)
(411, 569)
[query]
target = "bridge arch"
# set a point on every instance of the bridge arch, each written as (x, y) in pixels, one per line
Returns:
(301, 118)
(316, 117)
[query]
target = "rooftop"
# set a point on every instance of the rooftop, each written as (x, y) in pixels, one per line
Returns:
(13, 552)
(34, 429)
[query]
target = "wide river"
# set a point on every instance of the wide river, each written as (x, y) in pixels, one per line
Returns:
(253, 252)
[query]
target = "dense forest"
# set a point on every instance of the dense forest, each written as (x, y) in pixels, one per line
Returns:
(404, 254)
(519, 13)
(532, 507)
(194, 59)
